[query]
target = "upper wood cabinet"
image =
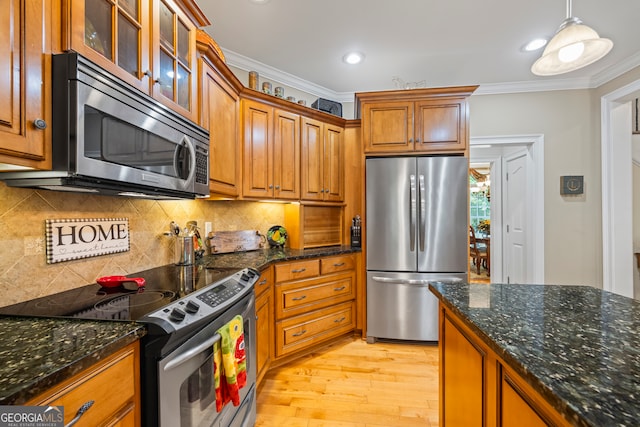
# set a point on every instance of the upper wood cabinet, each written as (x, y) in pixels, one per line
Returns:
(25, 85)
(149, 44)
(219, 108)
(322, 171)
(420, 120)
(271, 152)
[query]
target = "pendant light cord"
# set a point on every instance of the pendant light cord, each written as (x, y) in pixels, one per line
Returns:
(569, 12)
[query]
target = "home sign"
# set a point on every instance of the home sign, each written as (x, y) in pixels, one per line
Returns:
(70, 239)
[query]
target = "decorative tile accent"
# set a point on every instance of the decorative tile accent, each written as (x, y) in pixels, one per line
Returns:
(24, 273)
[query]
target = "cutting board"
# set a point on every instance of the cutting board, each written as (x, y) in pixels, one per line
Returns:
(222, 242)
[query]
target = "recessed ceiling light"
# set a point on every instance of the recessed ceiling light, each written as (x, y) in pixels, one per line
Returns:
(260, 1)
(535, 44)
(353, 58)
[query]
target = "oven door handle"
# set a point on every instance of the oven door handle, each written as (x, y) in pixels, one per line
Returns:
(184, 357)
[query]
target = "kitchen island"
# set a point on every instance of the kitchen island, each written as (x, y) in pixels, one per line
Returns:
(537, 355)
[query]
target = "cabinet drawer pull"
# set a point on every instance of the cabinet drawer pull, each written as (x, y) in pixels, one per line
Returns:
(299, 298)
(84, 408)
(338, 264)
(339, 320)
(262, 282)
(300, 270)
(341, 288)
(304, 331)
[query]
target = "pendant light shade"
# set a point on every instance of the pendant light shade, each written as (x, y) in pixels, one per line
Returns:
(574, 46)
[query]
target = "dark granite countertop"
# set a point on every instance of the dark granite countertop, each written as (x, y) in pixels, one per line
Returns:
(38, 353)
(578, 346)
(263, 258)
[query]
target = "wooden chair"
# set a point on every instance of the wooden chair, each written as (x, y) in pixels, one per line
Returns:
(478, 253)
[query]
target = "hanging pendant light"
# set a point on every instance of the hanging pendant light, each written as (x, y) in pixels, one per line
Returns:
(574, 46)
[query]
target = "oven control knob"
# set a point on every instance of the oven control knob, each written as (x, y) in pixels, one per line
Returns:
(177, 315)
(192, 307)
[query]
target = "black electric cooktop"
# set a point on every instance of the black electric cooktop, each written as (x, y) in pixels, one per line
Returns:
(126, 302)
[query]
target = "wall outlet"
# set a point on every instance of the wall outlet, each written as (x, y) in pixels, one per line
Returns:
(207, 228)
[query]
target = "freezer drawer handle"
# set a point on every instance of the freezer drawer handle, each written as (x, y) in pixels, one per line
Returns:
(304, 331)
(341, 288)
(415, 281)
(339, 320)
(299, 298)
(300, 270)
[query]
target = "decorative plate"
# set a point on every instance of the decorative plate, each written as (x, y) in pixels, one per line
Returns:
(277, 236)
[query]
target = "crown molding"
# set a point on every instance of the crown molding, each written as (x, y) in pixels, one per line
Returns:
(244, 63)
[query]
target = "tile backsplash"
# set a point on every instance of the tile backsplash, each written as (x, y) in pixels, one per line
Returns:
(25, 274)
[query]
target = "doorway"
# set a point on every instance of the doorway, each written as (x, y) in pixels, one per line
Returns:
(516, 200)
(617, 221)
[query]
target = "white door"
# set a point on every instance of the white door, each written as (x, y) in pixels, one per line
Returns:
(515, 218)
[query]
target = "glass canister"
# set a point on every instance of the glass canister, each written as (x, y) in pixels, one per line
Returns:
(266, 88)
(253, 80)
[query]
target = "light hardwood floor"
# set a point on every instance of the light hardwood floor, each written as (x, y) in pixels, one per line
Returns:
(352, 383)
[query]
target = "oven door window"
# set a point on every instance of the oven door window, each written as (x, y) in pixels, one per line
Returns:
(115, 141)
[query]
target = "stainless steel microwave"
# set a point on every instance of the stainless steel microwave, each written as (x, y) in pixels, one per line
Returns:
(110, 138)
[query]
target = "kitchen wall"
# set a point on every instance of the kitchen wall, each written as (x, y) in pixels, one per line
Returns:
(24, 273)
(572, 232)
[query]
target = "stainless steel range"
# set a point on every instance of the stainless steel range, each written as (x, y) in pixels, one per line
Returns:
(183, 307)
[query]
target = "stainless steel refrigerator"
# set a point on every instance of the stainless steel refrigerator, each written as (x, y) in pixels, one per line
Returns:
(417, 232)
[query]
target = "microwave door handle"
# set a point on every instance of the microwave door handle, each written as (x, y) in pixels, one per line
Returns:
(192, 155)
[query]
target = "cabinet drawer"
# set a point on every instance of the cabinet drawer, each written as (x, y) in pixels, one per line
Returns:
(111, 384)
(294, 298)
(336, 263)
(264, 282)
(303, 331)
(297, 270)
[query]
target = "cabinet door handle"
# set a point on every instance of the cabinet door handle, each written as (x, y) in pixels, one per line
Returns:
(262, 282)
(300, 270)
(277, 187)
(418, 140)
(322, 190)
(339, 320)
(300, 333)
(338, 264)
(270, 186)
(410, 139)
(299, 298)
(84, 408)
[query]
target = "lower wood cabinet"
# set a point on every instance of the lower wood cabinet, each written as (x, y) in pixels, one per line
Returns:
(114, 386)
(314, 301)
(264, 322)
(477, 388)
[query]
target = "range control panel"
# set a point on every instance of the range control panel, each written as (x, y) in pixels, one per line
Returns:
(209, 301)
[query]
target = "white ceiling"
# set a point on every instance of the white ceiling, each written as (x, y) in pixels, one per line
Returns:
(301, 43)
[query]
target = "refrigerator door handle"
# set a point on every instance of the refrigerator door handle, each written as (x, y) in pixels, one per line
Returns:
(412, 212)
(414, 281)
(423, 213)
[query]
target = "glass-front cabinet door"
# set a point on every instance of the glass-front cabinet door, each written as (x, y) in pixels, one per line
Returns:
(115, 35)
(174, 42)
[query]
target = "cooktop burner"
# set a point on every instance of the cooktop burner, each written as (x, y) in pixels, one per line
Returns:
(127, 302)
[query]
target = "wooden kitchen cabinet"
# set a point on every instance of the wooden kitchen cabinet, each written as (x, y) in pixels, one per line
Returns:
(271, 152)
(477, 388)
(114, 386)
(151, 45)
(322, 170)
(25, 84)
(264, 322)
(420, 120)
(314, 302)
(219, 108)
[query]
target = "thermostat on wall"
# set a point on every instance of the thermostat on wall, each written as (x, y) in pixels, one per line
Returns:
(571, 185)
